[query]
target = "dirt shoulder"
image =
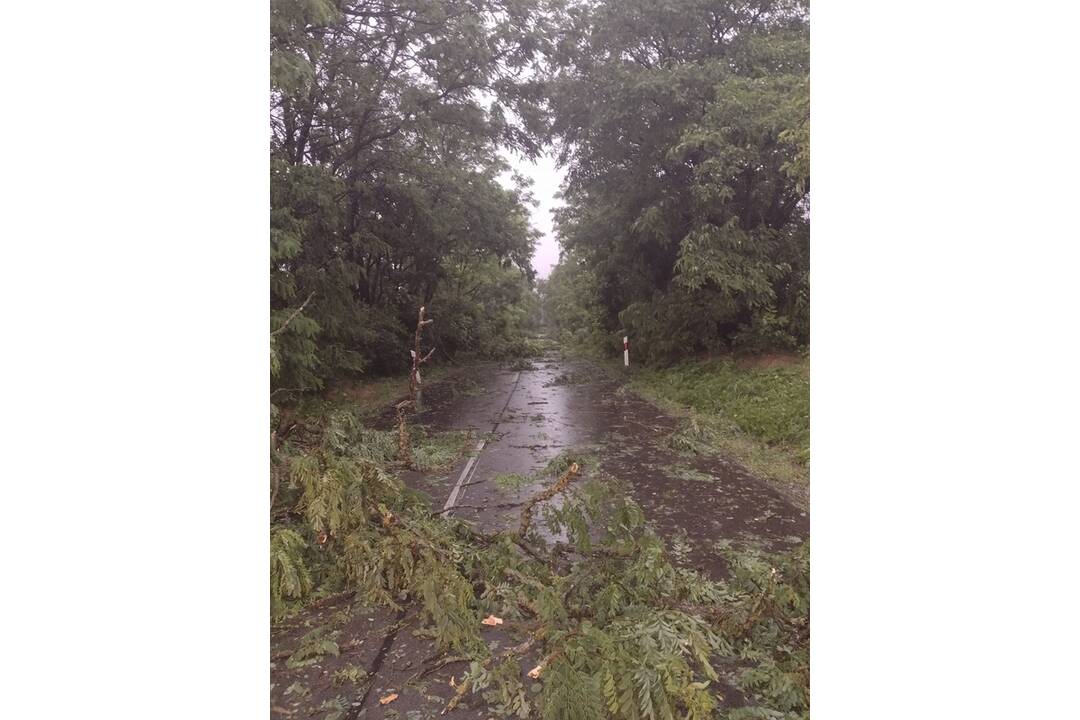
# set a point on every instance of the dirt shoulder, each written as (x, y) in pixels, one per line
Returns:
(751, 411)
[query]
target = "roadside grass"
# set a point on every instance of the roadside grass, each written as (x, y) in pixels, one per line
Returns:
(760, 416)
(371, 396)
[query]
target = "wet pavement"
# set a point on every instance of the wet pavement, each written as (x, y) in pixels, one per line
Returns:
(525, 418)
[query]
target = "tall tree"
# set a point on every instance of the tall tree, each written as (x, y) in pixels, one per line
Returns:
(684, 127)
(387, 117)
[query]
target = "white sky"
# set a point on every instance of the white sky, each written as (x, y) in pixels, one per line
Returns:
(546, 179)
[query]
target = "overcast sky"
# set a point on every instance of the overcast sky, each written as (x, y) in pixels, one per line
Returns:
(546, 180)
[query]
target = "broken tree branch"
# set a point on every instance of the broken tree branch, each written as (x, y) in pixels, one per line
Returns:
(292, 317)
(418, 360)
(461, 690)
(555, 489)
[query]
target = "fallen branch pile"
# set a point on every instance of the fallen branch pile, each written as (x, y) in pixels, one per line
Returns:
(618, 630)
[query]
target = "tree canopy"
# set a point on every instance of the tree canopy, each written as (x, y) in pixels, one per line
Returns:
(387, 119)
(684, 127)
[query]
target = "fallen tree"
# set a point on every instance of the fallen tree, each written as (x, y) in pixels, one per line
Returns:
(617, 629)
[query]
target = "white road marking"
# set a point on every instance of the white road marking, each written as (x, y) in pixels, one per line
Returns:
(470, 466)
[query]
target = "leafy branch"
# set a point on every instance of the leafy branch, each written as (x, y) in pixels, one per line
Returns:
(292, 316)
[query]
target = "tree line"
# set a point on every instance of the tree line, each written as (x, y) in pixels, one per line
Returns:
(683, 127)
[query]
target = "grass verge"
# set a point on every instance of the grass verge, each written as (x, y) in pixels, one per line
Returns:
(757, 415)
(372, 396)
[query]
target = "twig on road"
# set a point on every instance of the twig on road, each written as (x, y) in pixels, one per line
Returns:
(495, 506)
(558, 487)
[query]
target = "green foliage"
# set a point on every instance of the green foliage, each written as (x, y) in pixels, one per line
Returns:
(510, 482)
(384, 186)
(335, 708)
(571, 693)
(746, 411)
(574, 309)
(487, 309)
(350, 674)
(646, 633)
(765, 331)
(290, 579)
(372, 534)
(772, 404)
(673, 324)
(437, 452)
(685, 128)
(501, 687)
(571, 378)
(625, 633)
(769, 599)
(316, 644)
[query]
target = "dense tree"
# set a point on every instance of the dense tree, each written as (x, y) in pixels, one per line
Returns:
(387, 118)
(684, 126)
(572, 303)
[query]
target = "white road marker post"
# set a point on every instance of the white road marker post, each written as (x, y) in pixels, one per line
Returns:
(626, 351)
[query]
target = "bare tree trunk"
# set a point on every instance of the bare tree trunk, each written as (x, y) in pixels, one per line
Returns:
(415, 386)
(415, 381)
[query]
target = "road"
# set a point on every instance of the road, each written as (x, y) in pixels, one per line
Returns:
(524, 418)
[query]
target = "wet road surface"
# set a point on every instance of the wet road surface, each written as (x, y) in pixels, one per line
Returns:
(523, 419)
